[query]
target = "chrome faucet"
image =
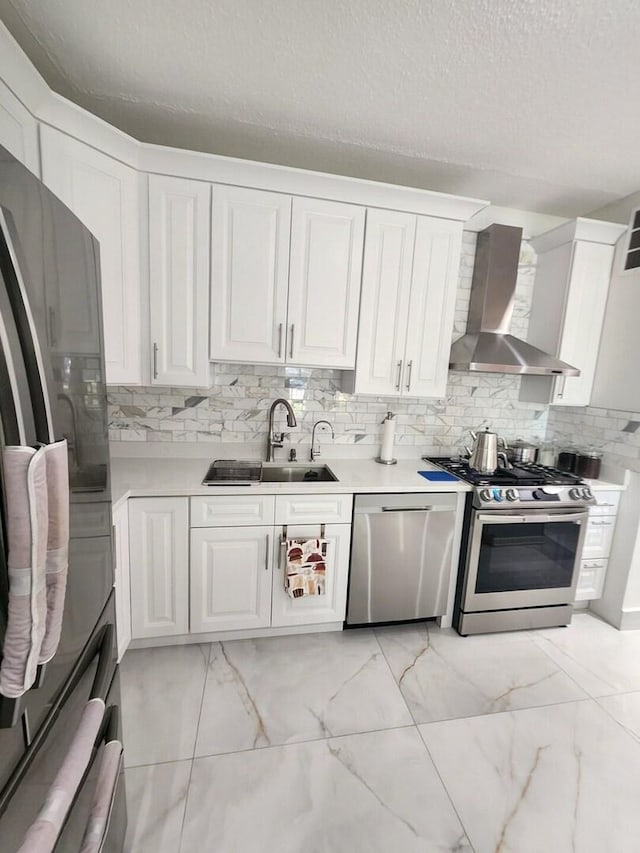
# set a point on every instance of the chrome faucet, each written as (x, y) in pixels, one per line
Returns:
(314, 453)
(275, 439)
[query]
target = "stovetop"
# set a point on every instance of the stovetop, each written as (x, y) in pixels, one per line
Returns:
(518, 475)
(532, 485)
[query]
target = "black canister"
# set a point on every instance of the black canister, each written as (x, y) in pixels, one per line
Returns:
(588, 463)
(568, 459)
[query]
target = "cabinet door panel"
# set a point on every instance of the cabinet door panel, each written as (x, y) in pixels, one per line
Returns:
(310, 610)
(104, 194)
(18, 130)
(583, 319)
(159, 556)
(436, 263)
(122, 578)
(230, 578)
(250, 270)
(598, 538)
(324, 283)
(179, 270)
(386, 283)
(591, 579)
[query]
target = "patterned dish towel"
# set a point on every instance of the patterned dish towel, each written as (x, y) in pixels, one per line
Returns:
(305, 572)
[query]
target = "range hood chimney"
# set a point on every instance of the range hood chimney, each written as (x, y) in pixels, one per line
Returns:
(487, 346)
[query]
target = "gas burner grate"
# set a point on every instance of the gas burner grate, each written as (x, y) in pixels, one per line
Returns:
(524, 475)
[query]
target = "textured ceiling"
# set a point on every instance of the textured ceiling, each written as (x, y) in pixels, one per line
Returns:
(525, 102)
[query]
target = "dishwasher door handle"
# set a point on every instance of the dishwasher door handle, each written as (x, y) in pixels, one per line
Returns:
(406, 508)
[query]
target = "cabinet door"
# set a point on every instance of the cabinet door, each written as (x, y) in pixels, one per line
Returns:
(313, 610)
(436, 263)
(599, 536)
(104, 194)
(18, 130)
(121, 578)
(324, 283)
(159, 555)
(386, 284)
(591, 579)
(230, 578)
(179, 213)
(583, 319)
(249, 274)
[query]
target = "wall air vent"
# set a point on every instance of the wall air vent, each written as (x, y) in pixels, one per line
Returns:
(632, 259)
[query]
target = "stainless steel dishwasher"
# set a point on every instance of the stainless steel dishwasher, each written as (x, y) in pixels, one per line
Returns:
(400, 557)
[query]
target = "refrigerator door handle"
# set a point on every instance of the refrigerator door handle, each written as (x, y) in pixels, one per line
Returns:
(104, 672)
(27, 330)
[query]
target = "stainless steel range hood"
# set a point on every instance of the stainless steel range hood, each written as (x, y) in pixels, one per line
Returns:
(487, 346)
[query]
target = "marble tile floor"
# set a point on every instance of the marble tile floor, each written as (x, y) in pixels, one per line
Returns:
(395, 739)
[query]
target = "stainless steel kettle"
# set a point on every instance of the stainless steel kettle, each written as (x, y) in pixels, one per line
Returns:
(484, 455)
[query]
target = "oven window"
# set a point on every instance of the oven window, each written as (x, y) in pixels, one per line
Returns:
(527, 556)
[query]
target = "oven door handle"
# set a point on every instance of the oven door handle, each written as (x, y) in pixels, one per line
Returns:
(531, 519)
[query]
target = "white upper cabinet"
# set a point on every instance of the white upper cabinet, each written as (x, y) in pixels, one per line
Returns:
(249, 274)
(18, 130)
(285, 281)
(568, 306)
(324, 283)
(179, 225)
(104, 194)
(409, 286)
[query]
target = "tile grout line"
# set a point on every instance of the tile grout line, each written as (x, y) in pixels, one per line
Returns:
(446, 790)
(406, 704)
(195, 741)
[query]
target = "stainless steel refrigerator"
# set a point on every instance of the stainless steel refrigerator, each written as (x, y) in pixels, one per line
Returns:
(52, 386)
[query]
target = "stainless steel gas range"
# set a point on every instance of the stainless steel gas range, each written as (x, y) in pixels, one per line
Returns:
(522, 540)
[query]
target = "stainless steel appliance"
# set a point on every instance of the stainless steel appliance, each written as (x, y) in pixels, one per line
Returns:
(52, 385)
(522, 540)
(484, 455)
(401, 554)
(487, 345)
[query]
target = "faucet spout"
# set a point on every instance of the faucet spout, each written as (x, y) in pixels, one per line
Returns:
(273, 439)
(315, 453)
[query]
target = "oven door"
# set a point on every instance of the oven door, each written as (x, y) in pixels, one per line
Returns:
(523, 559)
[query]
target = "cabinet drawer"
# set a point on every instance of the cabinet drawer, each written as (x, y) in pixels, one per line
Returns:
(599, 536)
(313, 509)
(591, 579)
(222, 511)
(606, 503)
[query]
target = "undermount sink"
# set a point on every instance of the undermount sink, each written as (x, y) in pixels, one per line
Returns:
(239, 473)
(297, 474)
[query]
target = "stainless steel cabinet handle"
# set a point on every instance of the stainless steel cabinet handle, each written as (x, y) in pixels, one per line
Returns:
(52, 327)
(562, 381)
(399, 375)
(409, 369)
(280, 340)
(293, 326)
(406, 508)
(155, 360)
(266, 554)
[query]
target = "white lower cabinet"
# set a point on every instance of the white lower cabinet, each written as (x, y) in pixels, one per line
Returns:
(597, 546)
(159, 554)
(230, 578)
(224, 571)
(121, 579)
(316, 609)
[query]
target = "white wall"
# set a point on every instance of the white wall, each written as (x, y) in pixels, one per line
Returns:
(617, 379)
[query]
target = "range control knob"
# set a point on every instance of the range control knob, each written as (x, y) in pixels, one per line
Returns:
(511, 495)
(497, 495)
(485, 495)
(586, 494)
(575, 494)
(538, 495)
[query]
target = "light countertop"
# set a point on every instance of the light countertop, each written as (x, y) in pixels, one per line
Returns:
(167, 476)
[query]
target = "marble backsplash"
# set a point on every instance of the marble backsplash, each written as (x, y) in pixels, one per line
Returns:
(615, 432)
(235, 408)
